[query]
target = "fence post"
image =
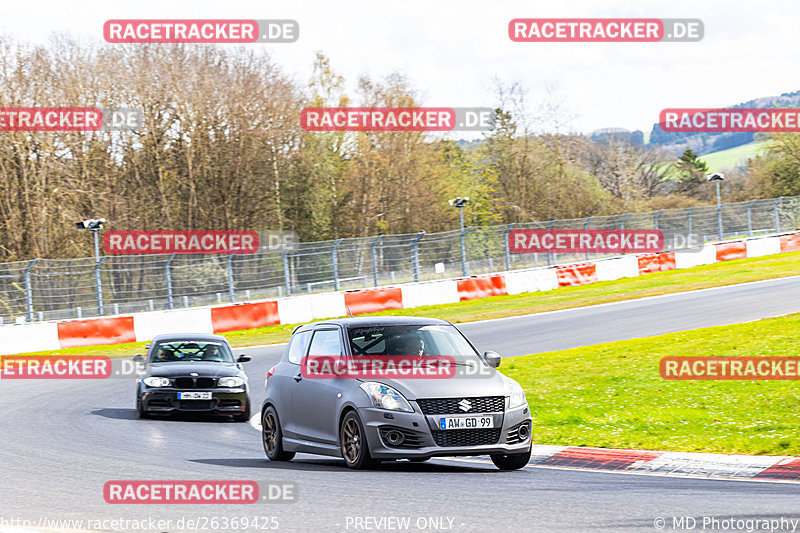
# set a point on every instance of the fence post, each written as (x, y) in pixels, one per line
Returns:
(464, 267)
(777, 216)
(719, 220)
(287, 276)
(507, 246)
(550, 256)
(28, 291)
(231, 295)
(168, 277)
(335, 266)
(689, 221)
(375, 260)
(586, 227)
(416, 255)
(99, 285)
(656, 217)
(622, 222)
(750, 218)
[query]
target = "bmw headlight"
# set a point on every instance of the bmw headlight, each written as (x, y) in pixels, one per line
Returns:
(517, 395)
(230, 382)
(153, 381)
(385, 397)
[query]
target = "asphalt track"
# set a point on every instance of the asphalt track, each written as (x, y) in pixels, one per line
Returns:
(61, 440)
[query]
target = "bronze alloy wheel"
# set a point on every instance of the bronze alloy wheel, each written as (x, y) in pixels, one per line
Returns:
(353, 443)
(272, 437)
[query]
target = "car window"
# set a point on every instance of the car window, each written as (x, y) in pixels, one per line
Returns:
(298, 346)
(189, 350)
(326, 342)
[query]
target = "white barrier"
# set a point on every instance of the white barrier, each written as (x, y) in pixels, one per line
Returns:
(765, 246)
(29, 338)
(148, 325)
(708, 256)
(328, 305)
(296, 309)
(620, 267)
(430, 293)
(541, 279)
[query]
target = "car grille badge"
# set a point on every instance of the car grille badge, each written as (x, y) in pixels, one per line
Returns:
(464, 405)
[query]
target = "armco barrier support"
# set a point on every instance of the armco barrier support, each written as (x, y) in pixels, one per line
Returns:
(481, 287)
(115, 330)
(148, 325)
(373, 300)
(429, 293)
(245, 316)
(762, 247)
(790, 243)
(540, 279)
(727, 251)
(578, 274)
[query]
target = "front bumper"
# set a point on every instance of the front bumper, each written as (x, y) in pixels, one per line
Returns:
(223, 401)
(423, 438)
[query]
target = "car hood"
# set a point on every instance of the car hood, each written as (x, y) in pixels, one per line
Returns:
(216, 370)
(457, 387)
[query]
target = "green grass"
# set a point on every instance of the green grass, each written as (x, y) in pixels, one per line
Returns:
(733, 157)
(611, 395)
(702, 277)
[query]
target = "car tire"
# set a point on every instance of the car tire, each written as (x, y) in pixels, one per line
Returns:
(513, 461)
(244, 416)
(140, 412)
(272, 436)
(353, 443)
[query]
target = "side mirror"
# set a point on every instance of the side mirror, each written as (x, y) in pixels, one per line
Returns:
(138, 358)
(243, 359)
(492, 359)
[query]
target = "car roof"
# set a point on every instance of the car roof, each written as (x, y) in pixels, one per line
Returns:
(372, 321)
(201, 337)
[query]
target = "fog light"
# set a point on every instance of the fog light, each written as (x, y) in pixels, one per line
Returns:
(394, 438)
(524, 432)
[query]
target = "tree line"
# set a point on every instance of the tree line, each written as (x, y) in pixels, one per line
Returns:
(222, 148)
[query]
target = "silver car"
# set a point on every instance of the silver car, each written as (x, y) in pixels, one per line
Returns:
(321, 399)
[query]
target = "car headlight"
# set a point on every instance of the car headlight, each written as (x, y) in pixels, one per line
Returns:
(230, 382)
(517, 395)
(153, 381)
(385, 397)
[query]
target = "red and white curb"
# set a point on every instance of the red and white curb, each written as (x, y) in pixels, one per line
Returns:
(703, 465)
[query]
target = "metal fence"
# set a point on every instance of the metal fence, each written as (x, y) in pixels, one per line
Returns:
(48, 289)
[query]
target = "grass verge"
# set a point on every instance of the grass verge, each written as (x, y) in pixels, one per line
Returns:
(701, 277)
(611, 395)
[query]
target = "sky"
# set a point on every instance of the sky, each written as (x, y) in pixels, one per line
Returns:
(453, 52)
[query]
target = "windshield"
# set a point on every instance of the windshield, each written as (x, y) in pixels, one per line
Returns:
(183, 351)
(410, 340)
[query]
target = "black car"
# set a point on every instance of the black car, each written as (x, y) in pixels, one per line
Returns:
(192, 373)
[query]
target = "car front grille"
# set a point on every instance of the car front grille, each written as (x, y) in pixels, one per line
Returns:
(200, 405)
(194, 383)
(450, 406)
(466, 437)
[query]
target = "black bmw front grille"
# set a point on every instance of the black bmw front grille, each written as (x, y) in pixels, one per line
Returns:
(466, 437)
(450, 406)
(194, 383)
(200, 405)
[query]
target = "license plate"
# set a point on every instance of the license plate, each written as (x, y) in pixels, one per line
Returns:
(194, 395)
(466, 422)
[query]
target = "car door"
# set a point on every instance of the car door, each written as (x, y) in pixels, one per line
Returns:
(282, 382)
(315, 400)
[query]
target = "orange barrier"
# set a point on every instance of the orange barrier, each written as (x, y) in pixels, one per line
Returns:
(576, 274)
(481, 287)
(373, 300)
(790, 243)
(650, 263)
(96, 331)
(245, 316)
(731, 250)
